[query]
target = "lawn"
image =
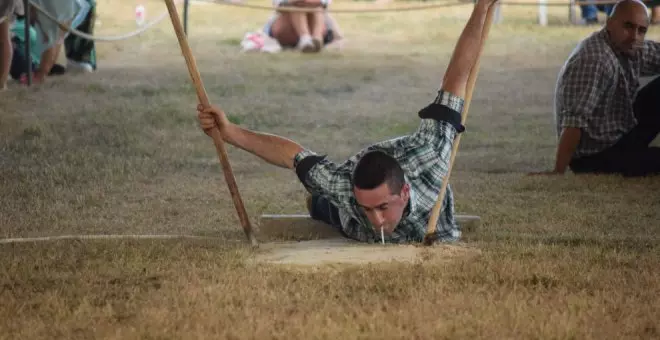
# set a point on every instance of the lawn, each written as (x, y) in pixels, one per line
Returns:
(120, 152)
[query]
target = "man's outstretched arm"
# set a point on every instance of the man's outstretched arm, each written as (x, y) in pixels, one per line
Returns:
(466, 50)
(273, 149)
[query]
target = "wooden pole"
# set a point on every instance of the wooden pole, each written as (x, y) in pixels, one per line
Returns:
(28, 57)
(186, 7)
(472, 79)
(215, 133)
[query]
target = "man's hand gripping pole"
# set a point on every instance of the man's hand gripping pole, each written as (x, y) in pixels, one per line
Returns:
(215, 133)
(429, 238)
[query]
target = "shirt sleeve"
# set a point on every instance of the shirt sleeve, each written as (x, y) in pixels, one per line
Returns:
(582, 85)
(650, 59)
(322, 176)
(429, 147)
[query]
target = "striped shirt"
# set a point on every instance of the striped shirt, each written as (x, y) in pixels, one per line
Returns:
(424, 156)
(596, 88)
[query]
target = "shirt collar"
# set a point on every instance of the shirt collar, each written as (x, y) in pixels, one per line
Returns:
(605, 35)
(411, 207)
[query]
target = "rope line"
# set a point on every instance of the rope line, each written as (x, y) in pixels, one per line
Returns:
(339, 10)
(288, 9)
(393, 9)
(107, 38)
(102, 237)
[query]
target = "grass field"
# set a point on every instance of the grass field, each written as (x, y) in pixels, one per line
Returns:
(120, 152)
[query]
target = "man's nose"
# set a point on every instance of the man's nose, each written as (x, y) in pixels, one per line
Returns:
(378, 219)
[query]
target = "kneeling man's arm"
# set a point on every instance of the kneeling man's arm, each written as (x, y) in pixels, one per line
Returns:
(650, 59)
(583, 83)
(568, 142)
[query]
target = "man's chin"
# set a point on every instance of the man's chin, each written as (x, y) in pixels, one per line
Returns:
(630, 51)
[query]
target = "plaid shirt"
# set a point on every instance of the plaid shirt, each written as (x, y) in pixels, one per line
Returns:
(424, 157)
(596, 88)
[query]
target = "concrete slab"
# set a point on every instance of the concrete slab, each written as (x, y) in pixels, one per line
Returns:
(343, 251)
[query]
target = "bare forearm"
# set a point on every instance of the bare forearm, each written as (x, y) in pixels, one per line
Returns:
(465, 53)
(568, 142)
(273, 149)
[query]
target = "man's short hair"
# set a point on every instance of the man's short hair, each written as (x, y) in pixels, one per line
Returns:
(375, 168)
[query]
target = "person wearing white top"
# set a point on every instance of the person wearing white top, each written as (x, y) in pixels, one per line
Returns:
(49, 35)
(308, 32)
(8, 8)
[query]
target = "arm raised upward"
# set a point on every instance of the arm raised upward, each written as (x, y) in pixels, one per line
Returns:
(466, 50)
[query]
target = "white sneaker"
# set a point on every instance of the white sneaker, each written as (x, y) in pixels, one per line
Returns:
(73, 65)
(306, 44)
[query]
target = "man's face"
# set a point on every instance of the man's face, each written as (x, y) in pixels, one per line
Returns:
(627, 28)
(382, 207)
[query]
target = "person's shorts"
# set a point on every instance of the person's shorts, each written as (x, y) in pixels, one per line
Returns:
(327, 38)
(10, 7)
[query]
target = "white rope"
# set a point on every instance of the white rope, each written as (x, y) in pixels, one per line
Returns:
(110, 38)
(99, 237)
(3, 19)
(338, 10)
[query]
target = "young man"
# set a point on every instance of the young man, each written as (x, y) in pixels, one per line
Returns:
(391, 185)
(602, 124)
(307, 32)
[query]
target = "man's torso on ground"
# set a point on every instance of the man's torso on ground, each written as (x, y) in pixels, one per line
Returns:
(424, 157)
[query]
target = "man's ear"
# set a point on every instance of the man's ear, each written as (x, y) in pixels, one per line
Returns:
(405, 191)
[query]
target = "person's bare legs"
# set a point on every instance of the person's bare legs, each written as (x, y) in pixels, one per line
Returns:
(296, 29)
(317, 26)
(6, 53)
(48, 59)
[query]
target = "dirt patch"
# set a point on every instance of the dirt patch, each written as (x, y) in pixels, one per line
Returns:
(333, 251)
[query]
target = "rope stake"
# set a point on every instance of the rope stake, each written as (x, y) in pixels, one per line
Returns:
(215, 133)
(472, 79)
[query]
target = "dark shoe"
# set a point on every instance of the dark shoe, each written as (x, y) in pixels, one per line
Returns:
(57, 70)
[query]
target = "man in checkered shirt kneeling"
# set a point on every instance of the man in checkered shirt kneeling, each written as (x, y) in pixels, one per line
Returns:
(605, 122)
(391, 185)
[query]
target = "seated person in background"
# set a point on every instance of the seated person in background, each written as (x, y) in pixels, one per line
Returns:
(8, 8)
(81, 52)
(590, 12)
(308, 32)
(50, 37)
(603, 126)
(392, 185)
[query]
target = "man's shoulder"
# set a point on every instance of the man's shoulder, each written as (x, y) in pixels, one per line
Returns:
(592, 57)
(592, 50)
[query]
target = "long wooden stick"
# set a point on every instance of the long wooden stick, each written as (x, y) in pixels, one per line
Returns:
(472, 79)
(215, 133)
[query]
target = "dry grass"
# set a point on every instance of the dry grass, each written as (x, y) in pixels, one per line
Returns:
(120, 152)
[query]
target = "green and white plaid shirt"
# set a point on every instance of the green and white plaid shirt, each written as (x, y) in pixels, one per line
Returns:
(424, 157)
